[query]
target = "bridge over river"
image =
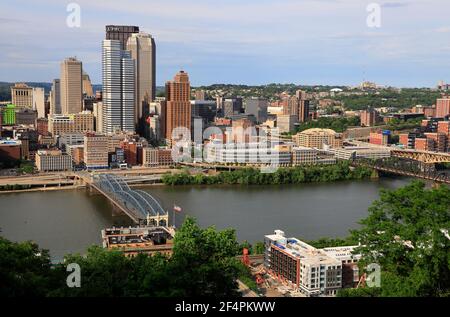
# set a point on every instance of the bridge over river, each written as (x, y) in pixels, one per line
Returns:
(139, 205)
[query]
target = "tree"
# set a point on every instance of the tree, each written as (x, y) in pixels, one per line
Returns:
(203, 261)
(404, 234)
(25, 270)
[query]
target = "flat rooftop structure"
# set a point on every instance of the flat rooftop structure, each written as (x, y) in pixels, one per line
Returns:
(134, 240)
(308, 254)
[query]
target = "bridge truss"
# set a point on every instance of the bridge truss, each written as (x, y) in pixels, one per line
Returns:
(406, 167)
(140, 204)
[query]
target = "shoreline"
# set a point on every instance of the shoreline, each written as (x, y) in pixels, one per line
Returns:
(42, 189)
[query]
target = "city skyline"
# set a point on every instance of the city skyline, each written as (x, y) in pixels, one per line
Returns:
(310, 42)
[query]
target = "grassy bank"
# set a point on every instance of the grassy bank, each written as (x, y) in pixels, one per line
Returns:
(295, 175)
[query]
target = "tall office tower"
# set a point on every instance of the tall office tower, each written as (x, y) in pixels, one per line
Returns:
(303, 106)
(290, 105)
(120, 33)
(443, 107)
(22, 95)
(369, 118)
(71, 85)
(257, 107)
(39, 101)
(232, 106)
(178, 111)
(87, 86)
(98, 116)
(303, 113)
(55, 101)
(143, 50)
(118, 88)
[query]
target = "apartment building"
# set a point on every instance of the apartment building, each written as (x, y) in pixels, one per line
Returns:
(312, 271)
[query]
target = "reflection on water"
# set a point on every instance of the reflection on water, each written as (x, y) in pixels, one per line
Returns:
(70, 221)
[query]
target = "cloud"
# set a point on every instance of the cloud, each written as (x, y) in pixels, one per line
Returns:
(277, 36)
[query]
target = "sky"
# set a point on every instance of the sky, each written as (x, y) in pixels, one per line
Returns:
(253, 42)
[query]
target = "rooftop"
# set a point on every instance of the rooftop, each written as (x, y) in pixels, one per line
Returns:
(309, 254)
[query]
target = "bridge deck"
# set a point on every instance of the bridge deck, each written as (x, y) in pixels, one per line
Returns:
(137, 204)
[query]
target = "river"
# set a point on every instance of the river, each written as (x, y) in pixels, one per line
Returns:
(69, 221)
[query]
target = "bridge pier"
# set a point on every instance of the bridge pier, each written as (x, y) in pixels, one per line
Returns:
(375, 174)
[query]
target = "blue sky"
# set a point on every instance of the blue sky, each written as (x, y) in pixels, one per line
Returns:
(241, 42)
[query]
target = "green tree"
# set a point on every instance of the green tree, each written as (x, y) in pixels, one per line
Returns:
(203, 261)
(25, 270)
(405, 234)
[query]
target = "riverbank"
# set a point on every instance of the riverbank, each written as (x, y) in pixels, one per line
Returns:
(42, 189)
(293, 175)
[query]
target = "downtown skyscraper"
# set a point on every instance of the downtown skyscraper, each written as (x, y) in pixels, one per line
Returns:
(71, 86)
(178, 112)
(120, 33)
(143, 50)
(118, 72)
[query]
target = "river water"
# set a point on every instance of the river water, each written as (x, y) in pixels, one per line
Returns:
(68, 221)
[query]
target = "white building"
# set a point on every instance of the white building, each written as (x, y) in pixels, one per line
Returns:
(118, 88)
(355, 152)
(312, 271)
(254, 153)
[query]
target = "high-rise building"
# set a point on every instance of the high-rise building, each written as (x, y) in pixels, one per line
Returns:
(71, 85)
(157, 120)
(369, 118)
(204, 109)
(303, 106)
(55, 100)
(22, 95)
(118, 88)
(286, 122)
(98, 116)
(120, 33)
(39, 101)
(143, 50)
(296, 106)
(87, 86)
(443, 107)
(178, 112)
(257, 107)
(231, 106)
